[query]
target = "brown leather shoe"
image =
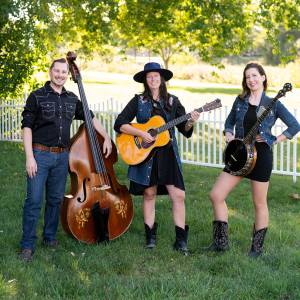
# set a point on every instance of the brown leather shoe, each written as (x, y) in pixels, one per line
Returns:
(53, 245)
(26, 255)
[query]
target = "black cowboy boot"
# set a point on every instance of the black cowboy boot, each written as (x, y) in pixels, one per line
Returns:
(181, 239)
(151, 236)
(258, 242)
(220, 234)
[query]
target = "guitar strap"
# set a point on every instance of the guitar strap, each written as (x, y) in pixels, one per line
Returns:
(174, 106)
(263, 106)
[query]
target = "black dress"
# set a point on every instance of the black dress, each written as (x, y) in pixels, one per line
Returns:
(165, 169)
(264, 162)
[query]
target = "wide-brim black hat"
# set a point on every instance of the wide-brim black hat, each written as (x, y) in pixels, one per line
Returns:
(153, 67)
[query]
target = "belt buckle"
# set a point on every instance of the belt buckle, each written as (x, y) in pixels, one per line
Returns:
(52, 148)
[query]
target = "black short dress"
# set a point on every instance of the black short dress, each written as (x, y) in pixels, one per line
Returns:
(264, 162)
(165, 169)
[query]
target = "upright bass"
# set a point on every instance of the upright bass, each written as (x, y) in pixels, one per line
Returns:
(97, 207)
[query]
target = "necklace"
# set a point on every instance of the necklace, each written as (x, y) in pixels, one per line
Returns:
(157, 98)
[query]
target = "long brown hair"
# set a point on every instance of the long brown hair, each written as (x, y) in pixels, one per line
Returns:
(163, 92)
(261, 71)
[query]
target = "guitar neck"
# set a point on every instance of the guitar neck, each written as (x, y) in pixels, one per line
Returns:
(177, 121)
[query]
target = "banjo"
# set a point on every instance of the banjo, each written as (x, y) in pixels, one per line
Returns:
(240, 155)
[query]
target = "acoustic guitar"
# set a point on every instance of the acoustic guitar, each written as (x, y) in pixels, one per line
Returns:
(240, 154)
(135, 151)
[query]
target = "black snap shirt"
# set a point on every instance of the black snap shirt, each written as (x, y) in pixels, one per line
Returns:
(50, 114)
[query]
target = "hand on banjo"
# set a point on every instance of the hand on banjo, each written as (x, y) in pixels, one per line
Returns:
(259, 138)
(228, 137)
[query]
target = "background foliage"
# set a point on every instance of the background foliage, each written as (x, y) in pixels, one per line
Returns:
(33, 32)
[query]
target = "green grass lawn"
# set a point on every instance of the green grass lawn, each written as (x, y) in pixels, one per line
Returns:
(123, 269)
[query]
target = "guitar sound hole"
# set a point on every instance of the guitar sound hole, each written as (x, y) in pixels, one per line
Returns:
(153, 133)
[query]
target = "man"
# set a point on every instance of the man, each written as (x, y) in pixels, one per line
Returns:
(47, 118)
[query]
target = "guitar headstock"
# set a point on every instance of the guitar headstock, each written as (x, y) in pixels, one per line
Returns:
(286, 88)
(212, 105)
(71, 57)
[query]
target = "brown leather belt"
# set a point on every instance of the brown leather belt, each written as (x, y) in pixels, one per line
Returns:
(49, 149)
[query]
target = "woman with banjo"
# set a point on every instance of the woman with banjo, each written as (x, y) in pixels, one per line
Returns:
(249, 153)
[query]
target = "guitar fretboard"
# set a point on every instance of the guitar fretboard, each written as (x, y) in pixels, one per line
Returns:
(176, 121)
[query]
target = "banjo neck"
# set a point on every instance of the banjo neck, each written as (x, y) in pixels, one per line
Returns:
(286, 88)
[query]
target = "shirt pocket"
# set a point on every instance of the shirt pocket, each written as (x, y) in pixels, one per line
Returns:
(70, 110)
(48, 109)
(270, 119)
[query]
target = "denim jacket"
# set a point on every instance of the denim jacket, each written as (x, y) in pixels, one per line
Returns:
(239, 109)
(141, 173)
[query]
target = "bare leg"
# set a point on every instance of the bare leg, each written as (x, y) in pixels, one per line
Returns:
(149, 205)
(177, 195)
(224, 184)
(259, 192)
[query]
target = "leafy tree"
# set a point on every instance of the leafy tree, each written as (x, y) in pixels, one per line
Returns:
(24, 41)
(154, 25)
(276, 17)
(33, 32)
(218, 28)
(211, 28)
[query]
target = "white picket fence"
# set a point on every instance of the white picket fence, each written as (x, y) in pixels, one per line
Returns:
(204, 148)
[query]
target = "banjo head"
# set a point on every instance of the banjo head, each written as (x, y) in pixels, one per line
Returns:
(235, 156)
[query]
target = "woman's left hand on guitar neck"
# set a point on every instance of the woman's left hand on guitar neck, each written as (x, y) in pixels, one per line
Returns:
(194, 117)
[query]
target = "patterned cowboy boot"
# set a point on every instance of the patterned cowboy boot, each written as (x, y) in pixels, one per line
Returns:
(257, 242)
(181, 239)
(150, 236)
(220, 235)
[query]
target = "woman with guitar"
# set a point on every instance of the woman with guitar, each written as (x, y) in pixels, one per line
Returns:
(162, 173)
(253, 114)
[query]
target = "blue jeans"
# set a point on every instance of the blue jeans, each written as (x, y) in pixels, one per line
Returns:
(52, 171)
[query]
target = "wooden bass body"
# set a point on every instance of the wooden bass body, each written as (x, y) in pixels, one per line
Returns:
(87, 188)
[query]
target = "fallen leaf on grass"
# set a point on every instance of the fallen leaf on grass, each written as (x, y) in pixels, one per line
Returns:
(294, 196)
